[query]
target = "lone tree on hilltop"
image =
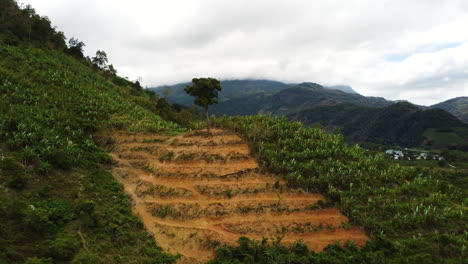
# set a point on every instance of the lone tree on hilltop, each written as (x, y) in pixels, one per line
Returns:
(205, 91)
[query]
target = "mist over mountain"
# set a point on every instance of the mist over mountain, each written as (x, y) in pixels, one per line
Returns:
(344, 88)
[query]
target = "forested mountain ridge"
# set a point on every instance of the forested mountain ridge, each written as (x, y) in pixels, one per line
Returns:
(293, 99)
(246, 97)
(234, 89)
(457, 106)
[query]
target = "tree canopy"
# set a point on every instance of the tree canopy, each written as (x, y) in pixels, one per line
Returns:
(205, 91)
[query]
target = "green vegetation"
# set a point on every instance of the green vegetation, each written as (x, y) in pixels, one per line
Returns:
(410, 215)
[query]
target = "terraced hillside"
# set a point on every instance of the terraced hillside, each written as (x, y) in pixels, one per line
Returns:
(196, 191)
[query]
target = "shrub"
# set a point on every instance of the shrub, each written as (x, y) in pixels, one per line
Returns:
(15, 172)
(85, 210)
(86, 258)
(61, 248)
(60, 159)
(35, 260)
(37, 219)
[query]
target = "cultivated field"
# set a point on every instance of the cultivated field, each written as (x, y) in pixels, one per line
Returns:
(195, 191)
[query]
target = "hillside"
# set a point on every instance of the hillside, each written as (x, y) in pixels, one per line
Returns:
(400, 124)
(58, 201)
(456, 106)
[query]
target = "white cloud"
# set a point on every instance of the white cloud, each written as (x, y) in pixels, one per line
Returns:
(399, 49)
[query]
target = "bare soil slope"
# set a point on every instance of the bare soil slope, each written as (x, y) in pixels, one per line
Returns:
(196, 191)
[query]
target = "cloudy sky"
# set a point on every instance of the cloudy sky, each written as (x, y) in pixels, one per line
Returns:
(398, 49)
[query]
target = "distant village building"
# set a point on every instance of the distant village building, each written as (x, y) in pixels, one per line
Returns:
(422, 155)
(397, 154)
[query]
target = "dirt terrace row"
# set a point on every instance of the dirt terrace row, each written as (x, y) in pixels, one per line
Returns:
(196, 191)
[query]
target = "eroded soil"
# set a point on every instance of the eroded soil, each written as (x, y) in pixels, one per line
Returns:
(195, 191)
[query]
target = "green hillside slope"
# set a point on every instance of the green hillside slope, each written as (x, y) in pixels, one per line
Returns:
(59, 203)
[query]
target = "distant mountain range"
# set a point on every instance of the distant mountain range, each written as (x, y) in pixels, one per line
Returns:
(231, 89)
(360, 118)
(236, 89)
(297, 98)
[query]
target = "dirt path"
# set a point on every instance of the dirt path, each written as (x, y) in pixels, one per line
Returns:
(196, 191)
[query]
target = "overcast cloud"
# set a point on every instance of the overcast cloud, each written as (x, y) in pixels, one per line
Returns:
(398, 49)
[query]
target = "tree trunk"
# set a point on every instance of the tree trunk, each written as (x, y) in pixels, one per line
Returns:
(207, 119)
